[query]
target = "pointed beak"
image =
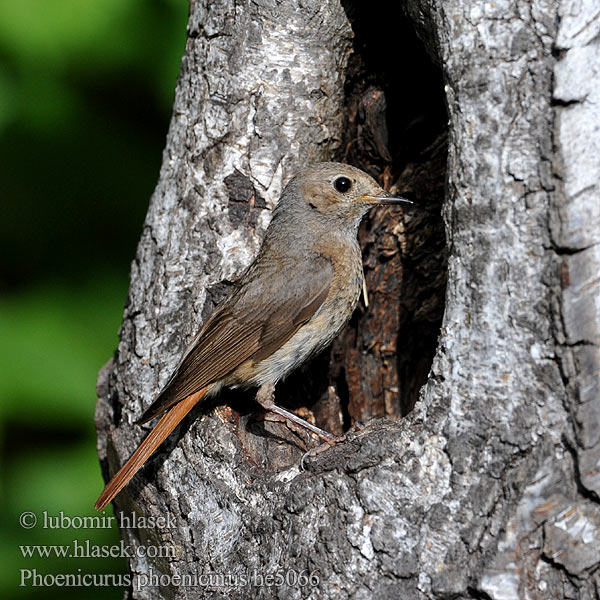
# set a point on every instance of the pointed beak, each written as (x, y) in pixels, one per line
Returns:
(385, 198)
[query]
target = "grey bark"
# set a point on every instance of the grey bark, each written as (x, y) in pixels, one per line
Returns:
(489, 487)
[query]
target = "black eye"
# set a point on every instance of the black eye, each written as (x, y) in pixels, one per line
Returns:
(342, 184)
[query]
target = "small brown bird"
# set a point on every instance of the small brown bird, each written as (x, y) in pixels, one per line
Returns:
(288, 305)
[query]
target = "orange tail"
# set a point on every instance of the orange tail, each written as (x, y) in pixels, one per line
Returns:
(155, 438)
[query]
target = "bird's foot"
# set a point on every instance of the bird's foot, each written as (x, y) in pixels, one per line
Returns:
(265, 398)
(335, 439)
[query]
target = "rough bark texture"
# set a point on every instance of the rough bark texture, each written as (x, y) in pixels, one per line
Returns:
(489, 487)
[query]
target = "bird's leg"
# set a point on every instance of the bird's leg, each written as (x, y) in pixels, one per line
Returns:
(264, 397)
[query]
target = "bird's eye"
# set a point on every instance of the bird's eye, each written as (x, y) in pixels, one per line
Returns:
(342, 184)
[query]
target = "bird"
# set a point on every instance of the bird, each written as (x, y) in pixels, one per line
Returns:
(288, 305)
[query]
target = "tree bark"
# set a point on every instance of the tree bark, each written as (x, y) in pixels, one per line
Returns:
(489, 487)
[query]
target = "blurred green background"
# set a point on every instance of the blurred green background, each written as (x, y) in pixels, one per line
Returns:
(86, 88)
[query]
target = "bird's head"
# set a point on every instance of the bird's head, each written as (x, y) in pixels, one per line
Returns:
(335, 193)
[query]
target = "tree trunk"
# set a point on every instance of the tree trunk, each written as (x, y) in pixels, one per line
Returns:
(488, 487)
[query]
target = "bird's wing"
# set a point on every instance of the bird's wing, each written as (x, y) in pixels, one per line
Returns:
(270, 304)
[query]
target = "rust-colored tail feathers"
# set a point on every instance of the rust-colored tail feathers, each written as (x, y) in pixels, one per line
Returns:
(155, 438)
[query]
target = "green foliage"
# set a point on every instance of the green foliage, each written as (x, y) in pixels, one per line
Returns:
(85, 95)
(86, 89)
(55, 338)
(46, 43)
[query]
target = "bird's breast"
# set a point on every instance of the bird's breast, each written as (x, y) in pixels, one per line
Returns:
(321, 329)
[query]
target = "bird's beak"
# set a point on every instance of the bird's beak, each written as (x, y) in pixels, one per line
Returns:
(384, 198)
